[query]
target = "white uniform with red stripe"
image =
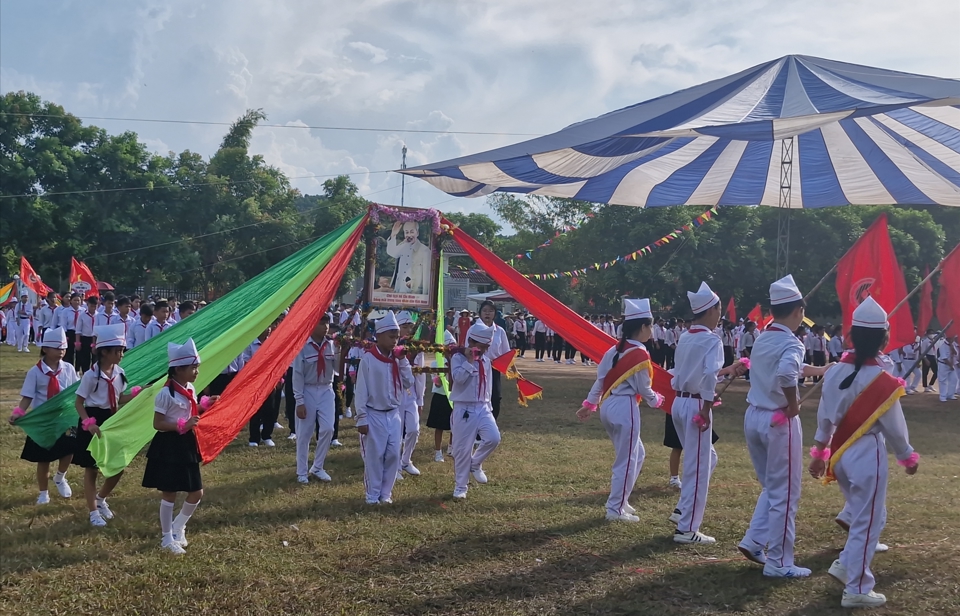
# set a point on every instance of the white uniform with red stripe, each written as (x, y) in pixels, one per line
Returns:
(472, 416)
(698, 360)
(620, 415)
(776, 451)
(313, 370)
(862, 470)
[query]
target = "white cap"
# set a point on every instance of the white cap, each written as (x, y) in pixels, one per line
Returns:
(869, 314)
(404, 317)
(636, 309)
(54, 338)
(182, 354)
(14, 300)
(784, 291)
(448, 338)
(480, 332)
(110, 335)
(387, 322)
(703, 299)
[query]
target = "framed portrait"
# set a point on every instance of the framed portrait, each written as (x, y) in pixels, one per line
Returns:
(402, 269)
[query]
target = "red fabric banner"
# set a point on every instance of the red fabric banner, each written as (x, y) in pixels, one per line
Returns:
(926, 304)
(756, 315)
(582, 335)
(81, 279)
(948, 301)
(731, 311)
(30, 279)
(870, 268)
(246, 393)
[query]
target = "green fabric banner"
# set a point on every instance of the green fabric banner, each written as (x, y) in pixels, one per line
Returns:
(221, 331)
(438, 338)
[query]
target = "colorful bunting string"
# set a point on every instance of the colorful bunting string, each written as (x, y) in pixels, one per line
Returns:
(528, 254)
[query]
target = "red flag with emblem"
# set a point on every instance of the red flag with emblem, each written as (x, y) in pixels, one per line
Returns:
(81, 279)
(30, 279)
(755, 315)
(870, 268)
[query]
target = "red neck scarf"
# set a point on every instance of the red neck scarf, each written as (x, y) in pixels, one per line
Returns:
(76, 315)
(186, 393)
(321, 360)
(696, 329)
(375, 351)
(481, 380)
(851, 358)
(53, 384)
(112, 396)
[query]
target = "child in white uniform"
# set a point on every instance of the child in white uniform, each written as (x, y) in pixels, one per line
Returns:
(48, 378)
(853, 392)
(623, 375)
(411, 401)
(313, 371)
(381, 377)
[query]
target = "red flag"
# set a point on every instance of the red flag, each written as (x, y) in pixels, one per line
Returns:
(948, 302)
(81, 279)
(926, 304)
(870, 268)
(755, 315)
(30, 279)
(731, 311)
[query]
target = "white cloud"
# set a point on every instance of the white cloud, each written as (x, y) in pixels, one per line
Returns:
(376, 54)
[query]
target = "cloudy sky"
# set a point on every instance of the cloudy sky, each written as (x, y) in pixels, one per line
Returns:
(508, 67)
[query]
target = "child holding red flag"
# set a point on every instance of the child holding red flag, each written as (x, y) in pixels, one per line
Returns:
(624, 373)
(173, 459)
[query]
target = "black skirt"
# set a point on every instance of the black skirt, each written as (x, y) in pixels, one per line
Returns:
(66, 445)
(82, 457)
(173, 463)
(670, 437)
(440, 410)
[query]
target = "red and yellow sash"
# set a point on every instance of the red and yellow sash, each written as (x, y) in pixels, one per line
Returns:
(866, 409)
(632, 361)
(526, 390)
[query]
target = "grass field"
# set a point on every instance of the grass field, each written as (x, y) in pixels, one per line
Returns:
(532, 541)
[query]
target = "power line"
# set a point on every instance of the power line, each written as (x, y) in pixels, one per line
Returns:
(300, 126)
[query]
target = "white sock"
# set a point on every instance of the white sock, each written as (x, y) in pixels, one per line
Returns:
(672, 477)
(59, 476)
(43, 493)
(101, 500)
(166, 517)
(185, 512)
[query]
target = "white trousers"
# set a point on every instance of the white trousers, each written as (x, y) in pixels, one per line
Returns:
(469, 420)
(699, 460)
(23, 334)
(380, 449)
(947, 379)
(319, 401)
(411, 428)
(862, 475)
(620, 416)
(777, 456)
(913, 377)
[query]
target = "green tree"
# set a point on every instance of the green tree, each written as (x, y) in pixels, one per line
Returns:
(340, 202)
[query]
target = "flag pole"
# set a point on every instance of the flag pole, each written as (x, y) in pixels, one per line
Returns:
(924, 281)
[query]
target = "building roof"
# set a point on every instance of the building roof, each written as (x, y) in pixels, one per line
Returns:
(472, 276)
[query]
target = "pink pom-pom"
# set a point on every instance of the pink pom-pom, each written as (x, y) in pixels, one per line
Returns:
(589, 405)
(17, 413)
(135, 391)
(76, 345)
(660, 400)
(911, 461)
(398, 351)
(903, 382)
(820, 454)
(779, 418)
(88, 423)
(182, 425)
(745, 362)
(699, 420)
(205, 402)
(437, 382)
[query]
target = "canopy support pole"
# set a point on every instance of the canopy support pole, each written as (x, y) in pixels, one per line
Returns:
(783, 220)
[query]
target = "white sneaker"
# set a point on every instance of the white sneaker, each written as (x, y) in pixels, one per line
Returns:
(870, 599)
(753, 552)
(692, 537)
(303, 479)
(622, 517)
(386, 501)
(411, 469)
(104, 509)
(460, 494)
(881, 548)
(172, 546)
(277, 426)
(928, 390)
(675, 483)
(449, 452)
(785, 572)
(675, 516)
(43, 498)
(252, 444)
(438, 456)
(399, 475)
(292, 437)
(628, 508)
(96, 519)
(348, 413)
(63, 488)
(180, 536)
(269, 443)
(336, 443)
(321, 474)
(838, 572)
(479, 475)
(372, 502)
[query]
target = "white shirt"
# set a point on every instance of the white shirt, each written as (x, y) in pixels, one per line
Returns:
(415, 394)
(466, 379)
(698, 359)
(103, 318)
(500, 344)
(835, 402)
(375, 390)
(94, 388)
(539, 327)
(747, 340)
(640, 384)
(35, 384)
(155, 328)
(48, 316)
(305, 367)
(174, 406)
(85, 324)
(945, 353)
(520, 327)
(137, 333)
(835, 346)
(926, 346)
(776, 362)
(70, 319)
(24, 311)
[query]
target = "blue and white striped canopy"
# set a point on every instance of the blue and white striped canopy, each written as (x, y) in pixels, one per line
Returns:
(863, 135)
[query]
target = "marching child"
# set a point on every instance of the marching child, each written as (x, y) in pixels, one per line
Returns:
(698, 362)
(24, 322)
(851, 447)
(411, 401)
(173, 459)
(472, 415)
(440, 409)
(624, 374)
(49, 314)
(99, 396)
(381, 377)
(45, 380)
(313, 371)
(70, 323)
